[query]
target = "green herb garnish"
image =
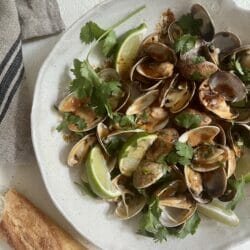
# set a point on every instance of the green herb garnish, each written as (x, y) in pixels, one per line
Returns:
(150, 224)
(189, 25)
(185, 43)
(69, 118)
(182, 154)
(188, 120)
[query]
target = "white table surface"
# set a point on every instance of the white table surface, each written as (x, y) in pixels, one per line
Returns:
(26, 177)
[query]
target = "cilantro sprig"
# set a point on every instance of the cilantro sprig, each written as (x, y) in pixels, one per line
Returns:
(124, 121)
(188, 120)
(69, 118)
(185, 43)
(240, 71)
(91, 31)
(150, 224)
(182, 154)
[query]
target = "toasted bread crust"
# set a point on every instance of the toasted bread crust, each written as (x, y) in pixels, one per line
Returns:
(25, 227)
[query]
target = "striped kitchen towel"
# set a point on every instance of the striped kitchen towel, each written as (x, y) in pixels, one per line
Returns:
(21, 20)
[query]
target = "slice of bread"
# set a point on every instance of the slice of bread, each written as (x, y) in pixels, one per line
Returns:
(25, 227)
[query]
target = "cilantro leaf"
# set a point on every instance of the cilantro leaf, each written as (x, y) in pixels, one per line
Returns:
(184, 150)
(241, 72)
(189, 25)
(188, 120)
(150, 224)
(190, 227)
(198, 59)
(185, 43)
(182, 154)
(69, 118)
(239, 186)
(90, 32)
(125, 121)
(109, 43)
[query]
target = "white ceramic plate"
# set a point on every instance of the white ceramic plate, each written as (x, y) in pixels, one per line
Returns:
(92, 218)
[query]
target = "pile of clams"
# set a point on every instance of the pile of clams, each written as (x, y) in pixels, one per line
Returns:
(163, 83)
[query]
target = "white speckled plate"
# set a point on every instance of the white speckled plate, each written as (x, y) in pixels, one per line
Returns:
(92, 218)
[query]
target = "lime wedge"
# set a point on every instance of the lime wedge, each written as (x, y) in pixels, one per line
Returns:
(133, 151)
(216, 211)
(128, 49)
(98, 175)
(243, 166)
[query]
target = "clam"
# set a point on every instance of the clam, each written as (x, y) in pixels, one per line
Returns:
(215, 182)
(147, 173)
(130, 206)
(241, 54)
(156, 119)
(197, 71)
(154, 70)
(102, 132)
(215, 102)
(237, 135)
(228, 85)
(176, 210)
(205, 119)
(173, 188)
(80, 150)
(142, 102)
(163, 144)
(195, 185)
(179, 96)
(226, 41)
(174, 32)
(231, 162)
(207, 27)
(70, 104)
(209, 157)
(160, 52)
(122, 183)
(89, 116)
(200, 135)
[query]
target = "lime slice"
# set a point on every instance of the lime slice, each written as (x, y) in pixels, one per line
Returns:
(98, 175)
(218, 212)
(128, 49)
(133, 151)
(243, 166)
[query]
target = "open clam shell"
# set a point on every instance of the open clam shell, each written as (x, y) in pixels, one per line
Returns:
(80, 150)
(215, 182)
(146, 174)
(142, 102)
(160, 52)
(195, 185)
(215, 102)
(157, 119)
(207, 26)
(200, 135)
(197, 71)
(179, 96)
(130, 206)
(226, 41)
(163, 144)
(176, 210)
(69, 104)
(228, 85)
(154, 70)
